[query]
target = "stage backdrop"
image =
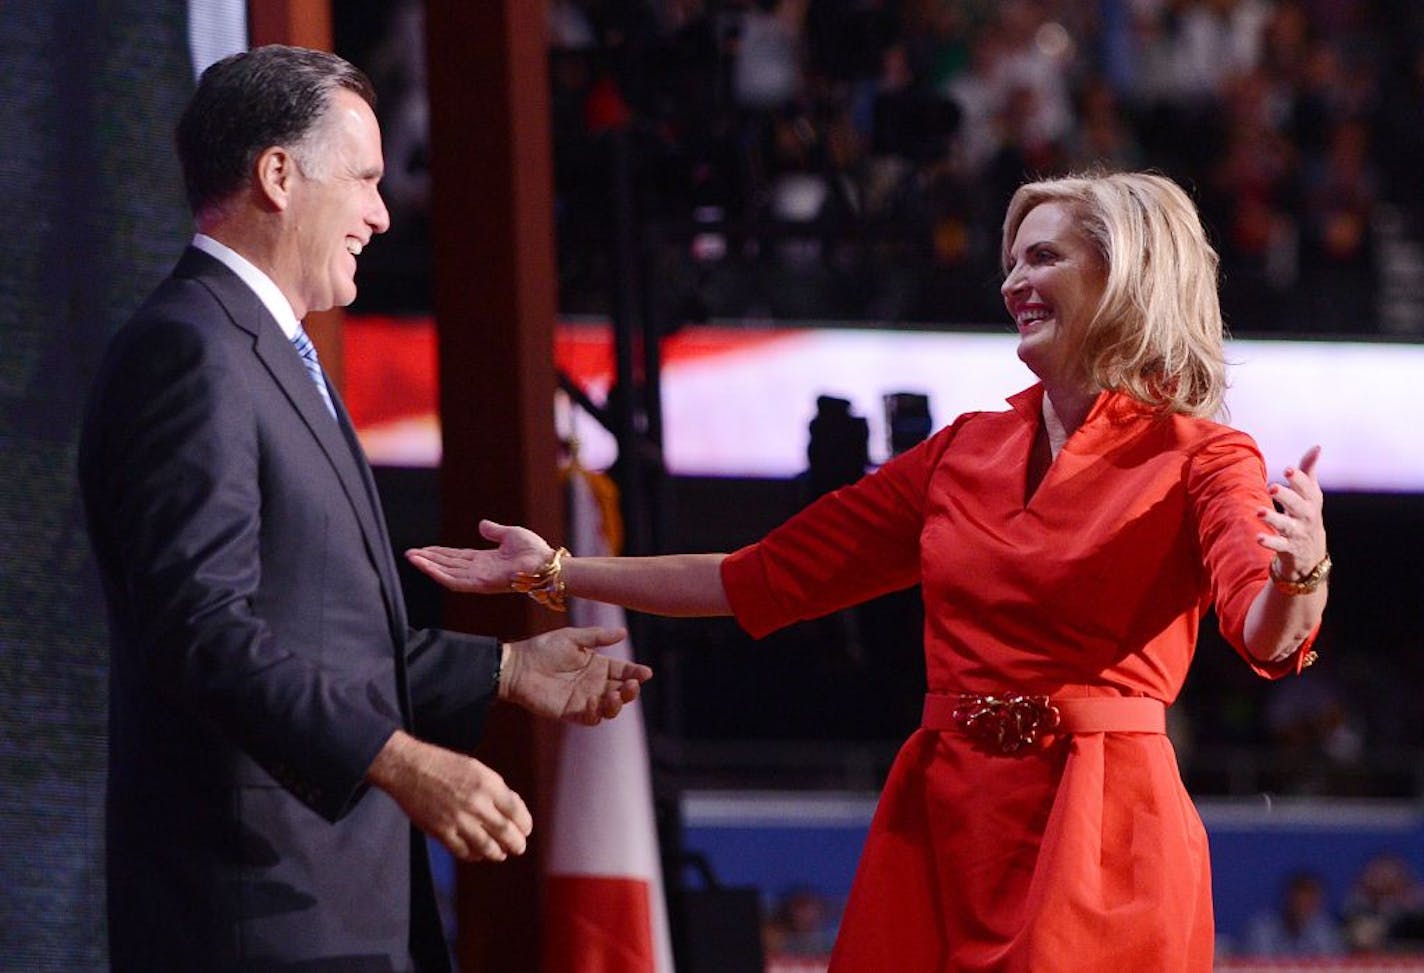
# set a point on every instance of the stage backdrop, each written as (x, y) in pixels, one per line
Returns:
(94, 217)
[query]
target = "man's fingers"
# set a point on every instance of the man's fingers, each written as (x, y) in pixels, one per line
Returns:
(610, 705)
(634, 672)
(507, 817)
(497, 823)
(505, 838)
(597, 638)
(512, 806)
(628, 673)
(455, 843)
(483, 845)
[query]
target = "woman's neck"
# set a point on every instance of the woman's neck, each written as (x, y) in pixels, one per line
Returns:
(1065, 406)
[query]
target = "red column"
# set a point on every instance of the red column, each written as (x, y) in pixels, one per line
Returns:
(495, 305)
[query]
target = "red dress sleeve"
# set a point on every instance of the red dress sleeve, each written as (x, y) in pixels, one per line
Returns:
(856, 543)
(1227, 484)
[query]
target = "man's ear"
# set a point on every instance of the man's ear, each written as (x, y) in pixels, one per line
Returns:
(275, 172)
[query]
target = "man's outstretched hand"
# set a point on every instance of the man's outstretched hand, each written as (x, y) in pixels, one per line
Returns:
(560, 676)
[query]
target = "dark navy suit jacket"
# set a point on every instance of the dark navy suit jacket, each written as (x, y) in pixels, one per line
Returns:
(260, 654)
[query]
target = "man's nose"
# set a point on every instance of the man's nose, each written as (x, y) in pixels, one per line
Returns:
(380, 218)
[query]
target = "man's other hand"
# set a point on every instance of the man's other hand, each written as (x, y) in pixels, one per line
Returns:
(455, 799)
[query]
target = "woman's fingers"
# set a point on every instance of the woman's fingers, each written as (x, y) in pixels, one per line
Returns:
(1295, 522)
(1308, 461)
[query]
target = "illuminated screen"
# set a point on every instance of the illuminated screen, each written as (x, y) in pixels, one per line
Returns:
(738, 402)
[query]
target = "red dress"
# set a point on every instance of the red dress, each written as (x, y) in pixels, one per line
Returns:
(1083, 852)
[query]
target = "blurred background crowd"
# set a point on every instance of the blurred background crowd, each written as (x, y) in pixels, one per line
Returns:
(1379, 913)
(849, 160)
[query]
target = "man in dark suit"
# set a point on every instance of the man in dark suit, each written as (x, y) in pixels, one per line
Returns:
(278, 733)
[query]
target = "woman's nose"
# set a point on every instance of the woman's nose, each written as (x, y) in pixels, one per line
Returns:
(1014, 281)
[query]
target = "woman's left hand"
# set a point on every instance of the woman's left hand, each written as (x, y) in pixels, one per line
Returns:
(1297, 532)
(489, 571)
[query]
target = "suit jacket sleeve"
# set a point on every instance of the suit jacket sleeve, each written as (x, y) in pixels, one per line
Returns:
(452, 684)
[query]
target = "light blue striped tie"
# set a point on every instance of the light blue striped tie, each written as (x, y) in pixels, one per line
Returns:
(307, 350)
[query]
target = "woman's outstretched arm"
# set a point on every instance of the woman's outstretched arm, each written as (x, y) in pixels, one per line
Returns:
(672, 584)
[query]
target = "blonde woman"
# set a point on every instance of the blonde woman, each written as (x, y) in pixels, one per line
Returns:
(1068, 549)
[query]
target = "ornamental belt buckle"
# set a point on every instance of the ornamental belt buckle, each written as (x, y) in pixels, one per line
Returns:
(1004, 723)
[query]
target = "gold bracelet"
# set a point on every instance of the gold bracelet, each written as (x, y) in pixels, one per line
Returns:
(546, 586)
(554, 596)
(1304, 586)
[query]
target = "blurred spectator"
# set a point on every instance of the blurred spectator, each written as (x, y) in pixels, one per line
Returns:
(1384, 908)
(1315, 735)
(1039, 60)
(979, 94)
(1102, 136)
(1254, 195)
(766, 72)
(1336, 254)
(398, 67)
(1299, 926)
(803, 923)
(1401, 143)
(1184, 50)
(569, 28)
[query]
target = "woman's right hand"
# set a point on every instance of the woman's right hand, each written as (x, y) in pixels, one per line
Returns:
(489, 571)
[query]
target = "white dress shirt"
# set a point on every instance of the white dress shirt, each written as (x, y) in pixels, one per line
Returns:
(266, 290)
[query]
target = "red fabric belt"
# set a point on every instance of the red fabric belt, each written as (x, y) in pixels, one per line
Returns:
(1008, 722)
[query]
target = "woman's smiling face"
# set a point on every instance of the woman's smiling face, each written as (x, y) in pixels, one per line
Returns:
(1055, 281)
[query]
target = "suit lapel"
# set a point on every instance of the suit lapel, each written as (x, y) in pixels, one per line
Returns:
(335, 437)
(383, 557)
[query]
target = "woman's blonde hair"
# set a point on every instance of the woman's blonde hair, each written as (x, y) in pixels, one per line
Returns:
(1157, 334)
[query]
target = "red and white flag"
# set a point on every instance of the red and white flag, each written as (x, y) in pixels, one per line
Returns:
(604, 910)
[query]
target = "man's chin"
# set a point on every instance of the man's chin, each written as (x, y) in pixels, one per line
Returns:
(343, 297)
